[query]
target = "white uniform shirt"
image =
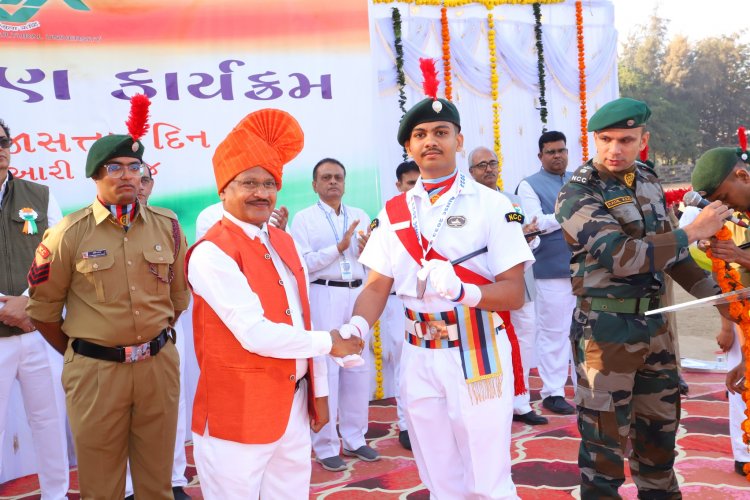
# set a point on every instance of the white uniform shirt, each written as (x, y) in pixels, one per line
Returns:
(312, 231)
(218, 279)
(533, 208)
(486, 225)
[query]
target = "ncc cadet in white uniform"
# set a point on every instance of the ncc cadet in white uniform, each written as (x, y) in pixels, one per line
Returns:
(328, 236)
(457, 375)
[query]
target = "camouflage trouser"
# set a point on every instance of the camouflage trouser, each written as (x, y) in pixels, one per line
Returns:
(627, 388)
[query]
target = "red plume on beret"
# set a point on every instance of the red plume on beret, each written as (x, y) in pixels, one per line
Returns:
(742, 136)
(138, 119)
(674, 196)
(644, 154)
(429, 74)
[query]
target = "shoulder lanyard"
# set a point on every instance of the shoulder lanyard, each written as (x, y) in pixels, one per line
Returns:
(443, 215)
(333, 226)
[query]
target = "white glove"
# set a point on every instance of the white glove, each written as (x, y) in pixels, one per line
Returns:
(357, 326)
(444, 280)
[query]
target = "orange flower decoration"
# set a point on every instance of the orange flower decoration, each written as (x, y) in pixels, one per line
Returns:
(582, 81)
(446, 53)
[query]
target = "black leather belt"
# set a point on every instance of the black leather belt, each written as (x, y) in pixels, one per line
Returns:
(127, 354)
(343, 284)
(299, 380)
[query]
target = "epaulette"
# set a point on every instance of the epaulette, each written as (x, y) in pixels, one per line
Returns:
(162, 211)
(73, 218)
(584, 175)
(646, 167)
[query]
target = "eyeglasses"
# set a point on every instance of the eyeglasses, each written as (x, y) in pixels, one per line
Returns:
(553, 152)
(117, 170)
(251, 186)
(5, 142)
(486, 165)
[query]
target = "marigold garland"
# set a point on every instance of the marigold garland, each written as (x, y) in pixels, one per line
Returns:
(377, 349)
(540, 64)
(400, 76)
(729, 280)
(459, 3)
(446, 34)
(582, 82)
(494, 95)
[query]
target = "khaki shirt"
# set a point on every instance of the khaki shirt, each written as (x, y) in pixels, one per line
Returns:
(104, 276)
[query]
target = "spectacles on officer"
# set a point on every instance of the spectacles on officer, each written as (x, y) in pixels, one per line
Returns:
(5, 142)
(555, 152)
(117, 170)
(486, 165)
(252, 186)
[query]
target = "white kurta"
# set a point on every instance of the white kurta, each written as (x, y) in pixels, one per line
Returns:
(317, 229)
(462, 449)
(280, 469)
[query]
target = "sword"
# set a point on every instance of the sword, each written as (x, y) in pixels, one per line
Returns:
(715, 300)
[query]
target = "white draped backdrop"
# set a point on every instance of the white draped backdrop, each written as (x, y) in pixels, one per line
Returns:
(520, 124)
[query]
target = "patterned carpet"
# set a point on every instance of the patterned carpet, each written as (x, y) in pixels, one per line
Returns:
(544, 457)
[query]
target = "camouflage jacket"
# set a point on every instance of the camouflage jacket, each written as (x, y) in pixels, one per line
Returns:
(622, 238)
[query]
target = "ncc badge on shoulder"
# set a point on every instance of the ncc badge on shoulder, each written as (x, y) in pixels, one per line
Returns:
(514, 217)
(456, 221)
(374, 224)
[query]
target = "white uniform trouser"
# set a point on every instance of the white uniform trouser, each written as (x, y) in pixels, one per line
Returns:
(180, 461)
(392, 338)
(462, 449)
(524, 323)
(228, 470)
(736, 406)
(38, 370)
(348, 389)
(554, 311)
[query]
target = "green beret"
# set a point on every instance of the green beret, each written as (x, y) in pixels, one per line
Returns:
(712, 168)
(423, 112)
(112, 146)
(620, 113)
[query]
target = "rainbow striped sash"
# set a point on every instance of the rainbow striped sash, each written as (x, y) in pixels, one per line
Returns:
(480, 358)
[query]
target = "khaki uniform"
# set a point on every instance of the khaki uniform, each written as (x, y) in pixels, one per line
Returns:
(119, 288)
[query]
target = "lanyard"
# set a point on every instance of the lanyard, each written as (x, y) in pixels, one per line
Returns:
(415, 219)
(333, 226)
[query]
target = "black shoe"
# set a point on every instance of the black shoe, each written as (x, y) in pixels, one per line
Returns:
(132, 497)
(738, 467)
(179, 493)
(684, 388)
(403, 438)
(557, 404)
(531, 418)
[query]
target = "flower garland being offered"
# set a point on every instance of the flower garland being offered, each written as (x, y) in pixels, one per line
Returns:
(540, 64)
(582, 81)
(494, 95)
(446, 34)
(400, 76)
(729, 280)
(377, 349)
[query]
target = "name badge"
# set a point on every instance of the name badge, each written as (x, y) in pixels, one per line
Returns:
(94, 254)
(346, 270)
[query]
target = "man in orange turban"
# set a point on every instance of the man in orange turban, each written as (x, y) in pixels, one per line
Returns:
(259, 390)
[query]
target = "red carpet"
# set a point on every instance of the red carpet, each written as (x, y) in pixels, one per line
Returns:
(544, 457)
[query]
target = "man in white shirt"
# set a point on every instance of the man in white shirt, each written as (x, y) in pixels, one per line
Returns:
(554, 293)
(251, 319)
(27, 209)
(331, 236)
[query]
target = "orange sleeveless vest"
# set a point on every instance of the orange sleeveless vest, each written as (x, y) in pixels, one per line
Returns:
(245, 397)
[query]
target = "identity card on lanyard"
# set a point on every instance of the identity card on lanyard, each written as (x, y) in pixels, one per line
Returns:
(346, 267)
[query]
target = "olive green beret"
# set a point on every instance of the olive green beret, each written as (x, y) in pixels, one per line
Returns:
(620, 113)
(424, 112)
(112, 146)
(712, 168)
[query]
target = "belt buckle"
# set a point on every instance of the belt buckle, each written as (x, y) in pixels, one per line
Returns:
(350, 284)
(432, 329)
(135, 353)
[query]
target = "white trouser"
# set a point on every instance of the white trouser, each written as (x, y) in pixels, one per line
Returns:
(462, 449)
(392, 339)
(736, 405)
(524, 323)
(37, 367)
(228, 470)
(180, 461)
(554, 311)
(348, 389)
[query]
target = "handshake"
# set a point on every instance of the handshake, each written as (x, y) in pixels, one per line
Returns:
(348, 342)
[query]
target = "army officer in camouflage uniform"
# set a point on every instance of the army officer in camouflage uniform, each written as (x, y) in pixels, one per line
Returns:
(614, 219)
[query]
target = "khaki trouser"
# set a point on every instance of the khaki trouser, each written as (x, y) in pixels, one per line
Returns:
(119, 411)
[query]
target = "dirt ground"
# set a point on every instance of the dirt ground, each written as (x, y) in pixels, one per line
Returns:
(696, 329)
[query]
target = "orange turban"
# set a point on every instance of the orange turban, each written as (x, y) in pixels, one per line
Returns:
(268, 138)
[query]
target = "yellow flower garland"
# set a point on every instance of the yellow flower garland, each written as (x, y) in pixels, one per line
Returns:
(494, 95)
(459, 3)
(377, 349)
